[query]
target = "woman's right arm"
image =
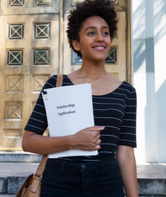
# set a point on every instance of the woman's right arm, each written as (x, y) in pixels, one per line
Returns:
(86, 139)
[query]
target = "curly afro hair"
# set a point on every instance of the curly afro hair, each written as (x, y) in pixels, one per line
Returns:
(88, 8)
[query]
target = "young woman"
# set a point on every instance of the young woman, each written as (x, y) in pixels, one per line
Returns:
(91, 28)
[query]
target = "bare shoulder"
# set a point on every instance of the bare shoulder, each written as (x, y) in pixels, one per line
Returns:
(100, 85)
(105, 85)
(74, 75)
(112, 80)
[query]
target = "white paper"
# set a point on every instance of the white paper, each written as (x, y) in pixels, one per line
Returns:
(69, 109)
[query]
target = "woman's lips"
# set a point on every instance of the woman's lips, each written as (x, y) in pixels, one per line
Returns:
(99, 48)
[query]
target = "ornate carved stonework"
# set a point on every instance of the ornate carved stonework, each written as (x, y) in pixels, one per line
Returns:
(16, 2)
(41, 57)
(38, 82)
(15, 58)
(77, 1)
(16, 31)
(12, 133)
(43, 2)
(14, 84)
(13, 110)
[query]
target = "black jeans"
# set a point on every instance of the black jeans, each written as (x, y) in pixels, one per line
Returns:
(99, 178)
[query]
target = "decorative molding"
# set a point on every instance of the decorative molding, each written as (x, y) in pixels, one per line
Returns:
(43, 2)
(112, 56)
(15, 57)
(14, 84)
(13, 110)
(16, 31)
(38, 82)
(75, 58)
(41, 56)
(29, 7)
(42, 30)
(16, 2)
(12, 133)
(74, 2)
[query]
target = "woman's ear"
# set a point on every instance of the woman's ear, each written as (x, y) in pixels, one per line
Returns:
(76, 45)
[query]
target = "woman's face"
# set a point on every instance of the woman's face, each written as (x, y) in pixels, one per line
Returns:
(95, 41)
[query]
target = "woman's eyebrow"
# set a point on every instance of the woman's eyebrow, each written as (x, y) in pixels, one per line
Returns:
(92, 27)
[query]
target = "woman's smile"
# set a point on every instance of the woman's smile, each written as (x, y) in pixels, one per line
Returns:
(99, 47)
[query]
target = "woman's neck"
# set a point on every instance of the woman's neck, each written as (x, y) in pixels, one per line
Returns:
(92, 69)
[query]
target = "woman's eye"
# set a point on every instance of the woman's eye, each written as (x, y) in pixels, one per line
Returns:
(91, 33)
(105, 33)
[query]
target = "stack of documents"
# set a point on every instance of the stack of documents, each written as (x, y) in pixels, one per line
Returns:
(69, 109)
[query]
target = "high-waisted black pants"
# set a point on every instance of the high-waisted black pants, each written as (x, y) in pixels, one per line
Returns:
(99, 178)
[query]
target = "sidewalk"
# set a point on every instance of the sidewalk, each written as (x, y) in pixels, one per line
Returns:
(151, 177)
(144, 171)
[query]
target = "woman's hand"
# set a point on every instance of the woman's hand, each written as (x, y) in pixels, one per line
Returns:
(86, 139)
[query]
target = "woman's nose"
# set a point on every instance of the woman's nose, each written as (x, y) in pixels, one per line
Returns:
(99, 37)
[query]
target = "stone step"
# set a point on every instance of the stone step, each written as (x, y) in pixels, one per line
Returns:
(15, 166)
(6, 195)
(19, 156)
(151, 178)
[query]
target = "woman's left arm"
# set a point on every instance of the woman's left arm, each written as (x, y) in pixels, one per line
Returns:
(127, 165)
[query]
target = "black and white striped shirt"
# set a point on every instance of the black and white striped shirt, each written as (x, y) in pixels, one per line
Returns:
(115, 110)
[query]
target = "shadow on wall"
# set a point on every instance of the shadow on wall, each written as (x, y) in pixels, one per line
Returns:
(161, 122)
(147, 17)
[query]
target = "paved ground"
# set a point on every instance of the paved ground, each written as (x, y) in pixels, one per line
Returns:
(17, 169)
(151, 170)
(147, 170)
(151, 177)
(5, 195)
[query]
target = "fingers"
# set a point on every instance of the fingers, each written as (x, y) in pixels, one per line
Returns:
(88, 138)
(97, 137)
(96, 132)
(97, 140)
(96, 128)
(97, 145)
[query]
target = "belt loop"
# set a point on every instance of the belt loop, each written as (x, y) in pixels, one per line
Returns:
(102, 165)
(63, 165)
